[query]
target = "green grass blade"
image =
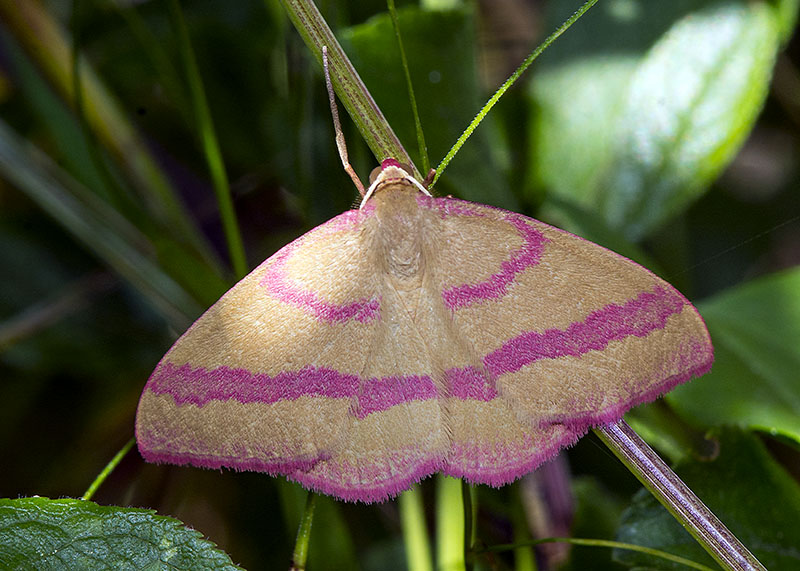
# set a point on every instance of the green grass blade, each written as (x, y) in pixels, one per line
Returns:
(47, 44)
(210, 144)
(101, 228)
(423, 148)
(506, 85)
(603, 543)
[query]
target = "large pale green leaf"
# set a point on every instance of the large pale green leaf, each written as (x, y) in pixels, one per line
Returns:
(441, 56)
(750, 492)
(40, 533)
(639, 127)
(687, 109)
(754, 381)
(579, 87)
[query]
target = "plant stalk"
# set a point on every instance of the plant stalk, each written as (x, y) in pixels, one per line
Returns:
(101, 477)
(677, 497)
(348, 85)
(415, 532)
(300, 554)
(210, 144)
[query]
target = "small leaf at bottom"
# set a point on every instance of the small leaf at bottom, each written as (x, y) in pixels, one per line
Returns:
(40, 533)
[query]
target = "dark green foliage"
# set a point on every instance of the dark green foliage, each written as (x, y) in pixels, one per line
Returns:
(661, 130)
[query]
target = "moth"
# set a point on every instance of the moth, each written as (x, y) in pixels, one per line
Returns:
(416, 335)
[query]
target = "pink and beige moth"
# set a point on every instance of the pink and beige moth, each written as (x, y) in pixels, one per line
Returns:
(417, 335)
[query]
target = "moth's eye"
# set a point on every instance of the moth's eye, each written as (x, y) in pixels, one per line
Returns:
(374, 174)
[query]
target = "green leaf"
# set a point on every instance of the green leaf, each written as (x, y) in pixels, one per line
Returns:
(578, 107)
(40, 533)
(750, 492)
(639, 130)
(754, 381)
(688, 108)
(579, 89)
(441, 55)
(787, 17)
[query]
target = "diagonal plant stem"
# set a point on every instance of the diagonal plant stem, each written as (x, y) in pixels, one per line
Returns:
(300, 554)
(677, 497)
(113, 463)
(348, 85)
(633, 451)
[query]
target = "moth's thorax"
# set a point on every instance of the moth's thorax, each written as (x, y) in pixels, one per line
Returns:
(400, 229)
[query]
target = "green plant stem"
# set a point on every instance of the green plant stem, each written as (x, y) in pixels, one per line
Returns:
(304, 534)
(210, 144)
(524, 555)
(101, 477)
(423, 147)
(348, 85)
(449, 525)
(505, 87)
(47, 45)
(469, 522)
(599, 543)
(415, 532)
(676, 496)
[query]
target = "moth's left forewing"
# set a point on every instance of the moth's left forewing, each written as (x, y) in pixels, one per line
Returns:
(265, 379)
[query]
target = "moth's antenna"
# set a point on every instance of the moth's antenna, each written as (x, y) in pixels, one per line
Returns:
(337, 126)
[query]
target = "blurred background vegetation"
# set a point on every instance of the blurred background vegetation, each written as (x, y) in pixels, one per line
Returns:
(666, 131)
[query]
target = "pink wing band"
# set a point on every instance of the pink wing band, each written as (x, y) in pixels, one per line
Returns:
(471, 460)
(199, 386)
(283, 288)
(495, 287)
(280, 286)
(638, 317)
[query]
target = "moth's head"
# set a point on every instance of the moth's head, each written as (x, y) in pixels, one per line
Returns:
(391, 171)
